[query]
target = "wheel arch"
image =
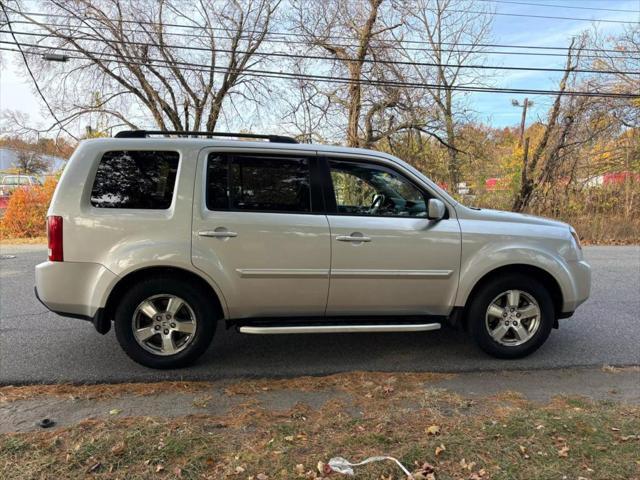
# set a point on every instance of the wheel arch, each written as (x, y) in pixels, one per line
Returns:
(540, 274)
(135, 276)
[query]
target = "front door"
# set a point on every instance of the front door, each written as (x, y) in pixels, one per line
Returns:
(387, 257)
(260, 232)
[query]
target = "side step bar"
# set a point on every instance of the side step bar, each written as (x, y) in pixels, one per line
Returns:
(346, 328)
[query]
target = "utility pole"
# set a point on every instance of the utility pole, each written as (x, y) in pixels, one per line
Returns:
(524, 107)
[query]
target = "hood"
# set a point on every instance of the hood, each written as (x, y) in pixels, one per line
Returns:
(511, 217)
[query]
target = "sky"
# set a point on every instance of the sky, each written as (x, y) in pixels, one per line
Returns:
(16, 92)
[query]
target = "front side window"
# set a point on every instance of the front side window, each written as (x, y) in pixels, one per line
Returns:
(135, 179)
(258, 183)
(366, 189)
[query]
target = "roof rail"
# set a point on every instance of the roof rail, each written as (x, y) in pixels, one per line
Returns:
(148, 133)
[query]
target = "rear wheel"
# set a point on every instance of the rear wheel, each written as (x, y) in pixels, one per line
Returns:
(511, 317)
(165, 323)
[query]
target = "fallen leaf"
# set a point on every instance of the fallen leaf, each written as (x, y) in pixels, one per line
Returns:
(469, 466)
(159, 468)
(433, 430)
(289, 438)
(239, 470)
(177, 472)
(118, 448)
(262, 476)
(563, 452)
(440, 449)
(115, 411)
(426, 471)
(300, 469)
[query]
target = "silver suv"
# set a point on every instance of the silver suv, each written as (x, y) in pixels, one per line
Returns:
(164, 237)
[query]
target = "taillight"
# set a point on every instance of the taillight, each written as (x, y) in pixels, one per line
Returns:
(54, 237)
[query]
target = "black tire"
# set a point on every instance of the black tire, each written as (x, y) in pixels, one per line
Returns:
(477, 311)
(198, 300)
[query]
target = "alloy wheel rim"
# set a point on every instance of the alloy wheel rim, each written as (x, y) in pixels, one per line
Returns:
(164, 324)
(512, 318)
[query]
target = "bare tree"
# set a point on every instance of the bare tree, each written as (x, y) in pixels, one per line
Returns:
(453, 32)
(352, 37)
(621, 55)
(30, 162)
(174, 61)
(572, 122)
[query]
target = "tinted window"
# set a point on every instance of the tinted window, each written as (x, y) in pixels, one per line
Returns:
(365, 189)
(135, 179)
(258, 183)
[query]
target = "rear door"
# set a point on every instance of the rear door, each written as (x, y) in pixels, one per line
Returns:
(259, 231)
(387, 258)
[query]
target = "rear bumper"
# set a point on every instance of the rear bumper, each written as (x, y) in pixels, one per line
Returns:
(74, 289)
(100, 322)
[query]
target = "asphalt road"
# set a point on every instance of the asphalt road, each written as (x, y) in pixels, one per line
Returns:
(39, 346)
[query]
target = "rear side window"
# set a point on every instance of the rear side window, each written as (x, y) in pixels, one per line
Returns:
(258, 183)
(135, 179)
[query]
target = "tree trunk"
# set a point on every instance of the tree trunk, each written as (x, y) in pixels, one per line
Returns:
(452, 152)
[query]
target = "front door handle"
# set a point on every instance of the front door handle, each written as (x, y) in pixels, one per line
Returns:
(218, 233)
(354, 237)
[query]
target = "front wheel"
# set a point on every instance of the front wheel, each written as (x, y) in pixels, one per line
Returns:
(511, 317)
(164, 323)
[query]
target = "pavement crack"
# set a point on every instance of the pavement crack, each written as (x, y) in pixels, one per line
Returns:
(24, 315)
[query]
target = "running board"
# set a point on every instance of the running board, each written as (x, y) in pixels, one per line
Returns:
(346, 328)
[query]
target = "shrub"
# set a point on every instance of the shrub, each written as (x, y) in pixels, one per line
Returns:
(26, 212)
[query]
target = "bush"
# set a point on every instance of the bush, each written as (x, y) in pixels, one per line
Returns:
(26, 212)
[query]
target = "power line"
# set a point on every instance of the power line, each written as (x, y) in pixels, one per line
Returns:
(319, 57)
(33, 78)
(294, 34)
(555, 5)
(382, 83)
(288, 42)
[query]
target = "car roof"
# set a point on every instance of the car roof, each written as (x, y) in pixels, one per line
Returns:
(177, 142)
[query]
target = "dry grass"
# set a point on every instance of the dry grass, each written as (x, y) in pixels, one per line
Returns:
(502, 437)
(97, 392)
(23, 241)
(355, 383)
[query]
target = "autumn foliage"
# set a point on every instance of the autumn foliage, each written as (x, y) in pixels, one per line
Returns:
(26, 211)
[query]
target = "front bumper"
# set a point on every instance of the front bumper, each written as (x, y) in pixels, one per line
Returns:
(581, 276)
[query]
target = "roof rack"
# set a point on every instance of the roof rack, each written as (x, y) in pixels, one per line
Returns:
(148, 133)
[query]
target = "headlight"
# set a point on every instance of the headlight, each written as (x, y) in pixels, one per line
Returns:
(575, 236)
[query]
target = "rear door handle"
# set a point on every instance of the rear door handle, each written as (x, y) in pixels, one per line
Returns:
(353, 238)
(217, 233)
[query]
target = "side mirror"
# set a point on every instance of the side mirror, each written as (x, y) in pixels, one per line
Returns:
(435, 209)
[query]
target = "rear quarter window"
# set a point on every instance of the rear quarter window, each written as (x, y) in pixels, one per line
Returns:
(135, 179)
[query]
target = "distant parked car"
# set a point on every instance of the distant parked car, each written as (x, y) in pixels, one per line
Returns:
(10, 182)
